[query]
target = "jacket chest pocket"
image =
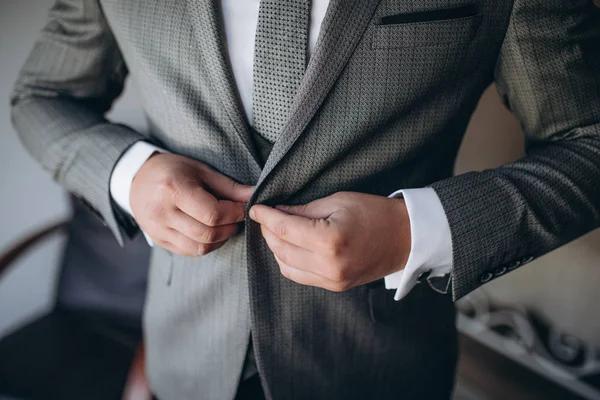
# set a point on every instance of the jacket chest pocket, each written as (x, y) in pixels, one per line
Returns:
(427, 28)
(409, 60)
(423, 34)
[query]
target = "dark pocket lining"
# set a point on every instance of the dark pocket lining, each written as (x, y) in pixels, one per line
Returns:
(169, 279)
(163, 262)
(469, 10)
(432, 33)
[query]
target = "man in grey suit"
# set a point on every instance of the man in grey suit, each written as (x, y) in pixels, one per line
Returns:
(323, 109)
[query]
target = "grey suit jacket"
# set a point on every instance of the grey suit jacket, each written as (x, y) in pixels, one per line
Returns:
(383, 105)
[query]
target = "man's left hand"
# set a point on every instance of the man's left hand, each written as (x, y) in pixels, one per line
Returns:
(338, 242)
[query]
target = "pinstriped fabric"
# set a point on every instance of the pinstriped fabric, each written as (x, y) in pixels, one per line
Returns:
(58, 106)
(197, 327)
(197, 323)
(379, 108)
(198, 320)
(279, 61)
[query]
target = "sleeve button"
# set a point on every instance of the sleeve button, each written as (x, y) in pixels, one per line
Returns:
(526, 260)
(499, 271)
(514, 265)
(486, 277)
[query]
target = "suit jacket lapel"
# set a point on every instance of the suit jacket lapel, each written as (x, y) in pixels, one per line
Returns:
(210, 35)
(341, 30)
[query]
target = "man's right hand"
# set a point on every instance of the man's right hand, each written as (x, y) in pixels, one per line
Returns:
(186, 206)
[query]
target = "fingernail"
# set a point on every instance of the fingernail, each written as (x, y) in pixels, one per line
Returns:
(251, 213)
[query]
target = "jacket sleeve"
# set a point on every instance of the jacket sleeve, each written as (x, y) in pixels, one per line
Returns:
(69, 81)
(548, 74)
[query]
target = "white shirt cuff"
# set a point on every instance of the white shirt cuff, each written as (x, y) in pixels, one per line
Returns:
(431, 241)
(122, 176)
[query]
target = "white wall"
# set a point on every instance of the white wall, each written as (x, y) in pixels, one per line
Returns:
(29, 198)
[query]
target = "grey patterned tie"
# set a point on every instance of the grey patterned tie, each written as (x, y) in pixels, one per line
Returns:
(280, 54)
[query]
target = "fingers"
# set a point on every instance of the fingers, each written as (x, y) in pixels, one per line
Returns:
(226, 187)
(185, 206)
(197, 231)
(318, 209)
(299, 276)
(288, 253)
(170, 247)
(303, 232)
(206, 208)
(180, 244)
(307, 278)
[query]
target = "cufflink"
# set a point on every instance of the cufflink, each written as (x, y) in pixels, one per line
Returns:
(423, 277)
(440, 284)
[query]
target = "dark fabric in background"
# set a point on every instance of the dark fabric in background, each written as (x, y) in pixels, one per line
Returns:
(83, 348)
(67, 355)
(100, 276)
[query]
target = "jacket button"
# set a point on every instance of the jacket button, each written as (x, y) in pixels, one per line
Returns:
(526, 260)
(499, 271)
(514, 265)
(486, 277)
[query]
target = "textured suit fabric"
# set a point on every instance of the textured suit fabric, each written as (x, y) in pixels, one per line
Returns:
(280, 52)
(380, 107)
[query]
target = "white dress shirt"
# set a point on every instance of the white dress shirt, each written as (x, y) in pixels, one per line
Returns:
(431, 242)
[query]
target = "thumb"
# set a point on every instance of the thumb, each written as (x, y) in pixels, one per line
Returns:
(225, 187)
(318, 209)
